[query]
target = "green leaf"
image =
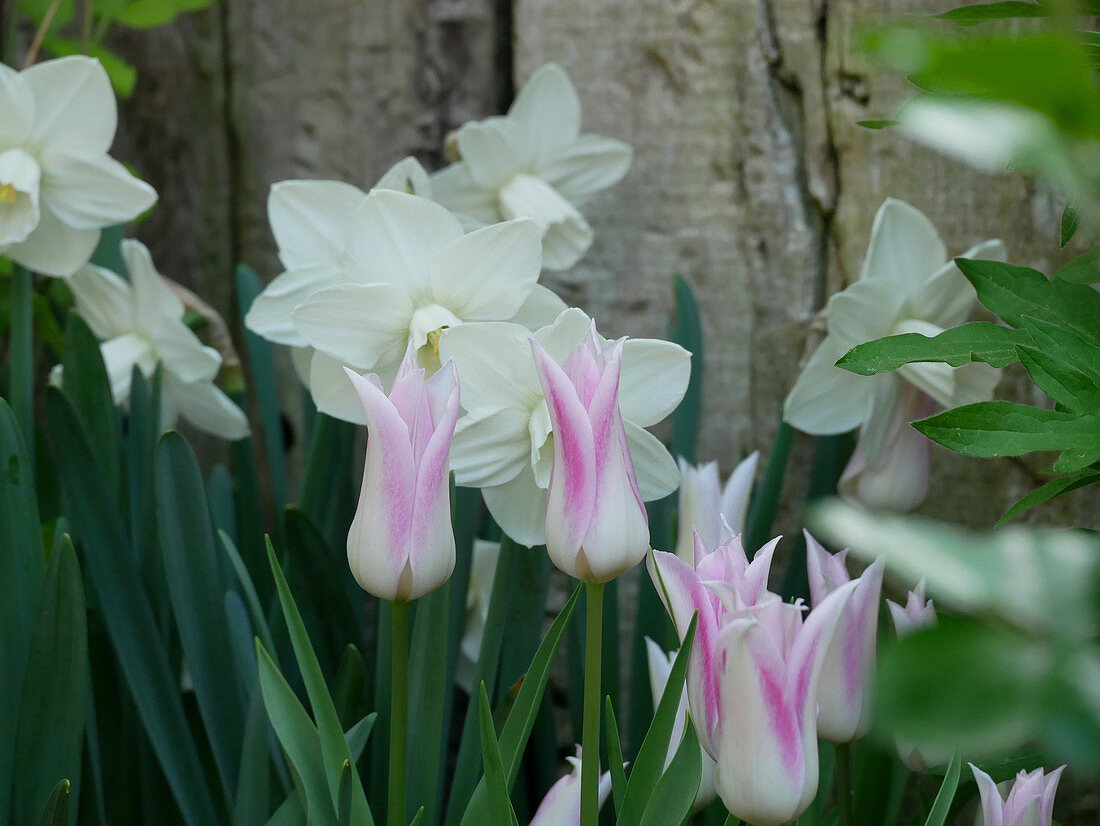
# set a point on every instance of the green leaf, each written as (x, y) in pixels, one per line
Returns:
(976, 341)
(686, 330)
(1073, 389)
(334, 748)
(56, 812)
(86, 385)
(614, 756)
(1084, 269)
(942, 807)
(349, 689)
(254, 776)
(1004, 10)
(649, 766)
(991, 701)
(674, 795)
(148, 14)
(358, 735)
(22, 568)
(299, 739)
(196, 591)
(290, 813)
(1065, 346)
(343, 807)
(499, 807)
(51, 714)
(248, 590)
(1012, 292)
(884, 123)
(1071, 219)
(1000, 428)
(134, 634)
(513, 737)
(1051, 490)
(261, 368)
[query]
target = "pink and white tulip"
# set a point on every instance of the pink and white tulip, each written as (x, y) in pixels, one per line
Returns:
(1030, 801)
(596, 523)
(716, 512)
(844, 696)
(917, 613)
(401, 544)
(562, 804)
(752, 677)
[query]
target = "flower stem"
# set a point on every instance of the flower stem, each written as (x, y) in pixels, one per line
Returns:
(21, 379)
(844, 783)
(399, 712)
(590, 742)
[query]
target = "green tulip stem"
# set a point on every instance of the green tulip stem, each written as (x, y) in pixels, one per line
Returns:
(844, 783)
(399, 712)
(21, 387)
(590, 740)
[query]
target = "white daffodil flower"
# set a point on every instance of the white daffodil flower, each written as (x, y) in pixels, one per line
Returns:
(534, 163)
(504, 444)
(141, 323)
(58, 186)
(413, 272)
(906, 285)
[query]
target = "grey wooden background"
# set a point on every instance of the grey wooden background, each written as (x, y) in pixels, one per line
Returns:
(751, 177)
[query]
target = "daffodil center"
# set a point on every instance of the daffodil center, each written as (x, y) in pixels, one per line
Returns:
(425, 329)
(19, 179)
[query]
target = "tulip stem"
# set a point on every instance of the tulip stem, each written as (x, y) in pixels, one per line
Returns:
(21, 378)
(844, 783)
(399, 712)
(590, 742)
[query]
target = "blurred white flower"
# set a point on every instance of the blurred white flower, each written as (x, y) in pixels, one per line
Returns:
(141, 322)
(483, 570)
(716, 513)
(906, 285)
(660, 666)
(504, 443)
(58, 186)
(534, 163)
(412, 272)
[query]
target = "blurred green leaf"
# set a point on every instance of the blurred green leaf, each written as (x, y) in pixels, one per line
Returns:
(942, 806)
(1071, 220)
(498, 806)
(88, 388)
(22, 567)
(883, 123)
(148, 14)
(56, 812)
(196, 591)
(977, 341)
(649, 766)
(614, 755)
(981, 12)
(1084, 269)
(963, 683)
(349, 689)
(51, 713)
(1051, 490)
(95, 514)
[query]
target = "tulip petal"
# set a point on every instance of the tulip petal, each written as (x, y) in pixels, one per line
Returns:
(992, 804)
(381, 532)
(311, 220)
(738, 491)
(487, 274)
(655, 376)
(392, 238)
(587, 165)
(547, 114)
(93, 192)
(904, 247)
(699, 511)
(75, 108)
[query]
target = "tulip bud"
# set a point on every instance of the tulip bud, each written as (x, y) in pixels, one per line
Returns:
(562, 804)
(1030, 801)
(401, 544)
(844, 695)
(702, 505)
(916, 614)
(596, 524)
